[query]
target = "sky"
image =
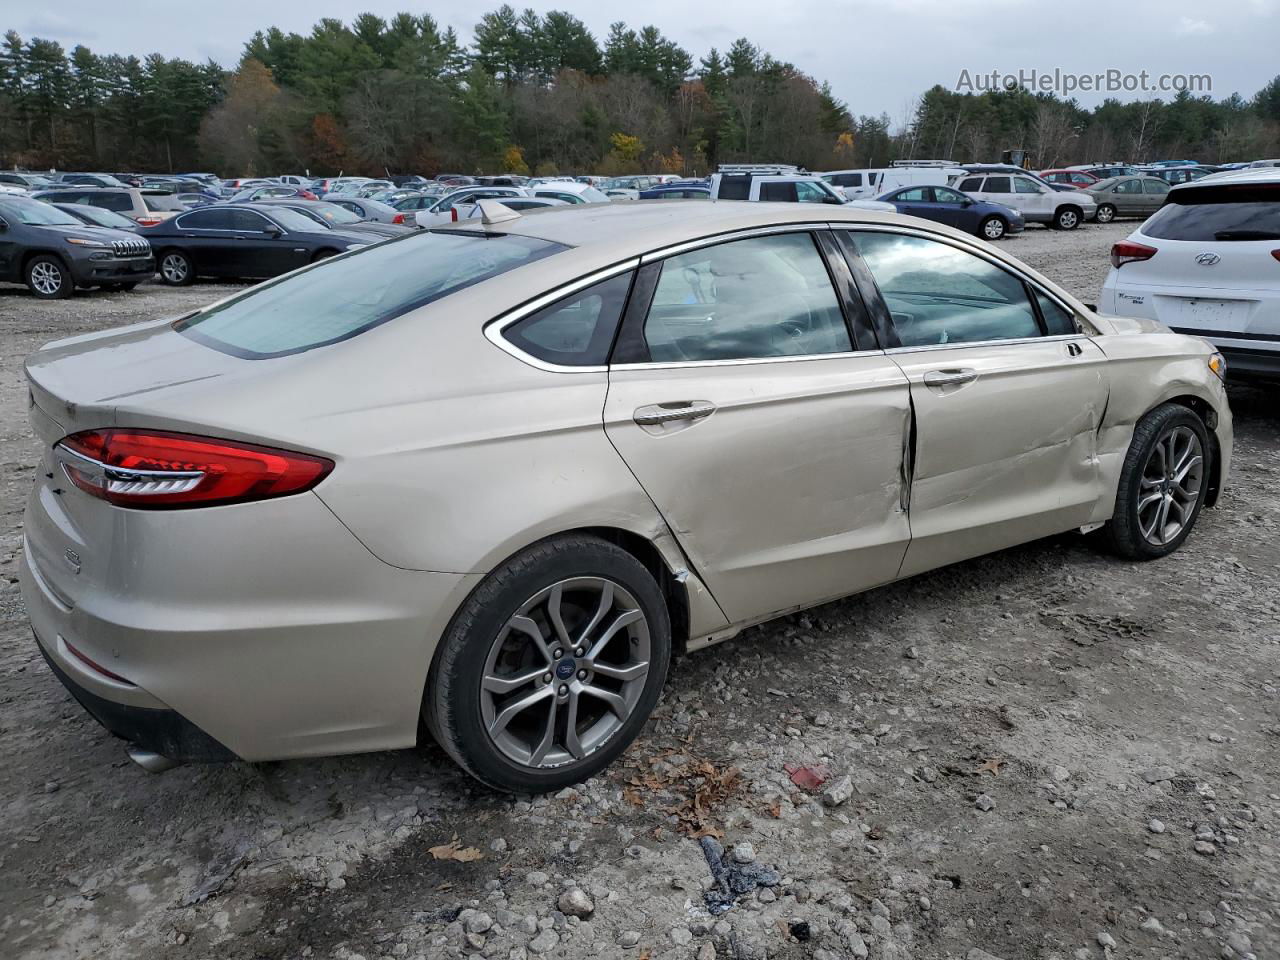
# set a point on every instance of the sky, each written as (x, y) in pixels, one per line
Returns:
(878, 56)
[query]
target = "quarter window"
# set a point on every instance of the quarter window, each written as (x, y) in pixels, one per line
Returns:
(971, 185)
(939, 294)
(576, 331)
(748, 299)
(1057, 321)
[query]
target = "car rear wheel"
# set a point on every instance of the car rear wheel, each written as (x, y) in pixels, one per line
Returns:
(49, 279)
(992, 228)
(1162, 484)
(1067, 218)
(176, 269)
(1106, 213)
(551, 667)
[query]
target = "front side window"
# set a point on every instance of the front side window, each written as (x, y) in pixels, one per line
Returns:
(576, 331)
(947, 195)
(755, 298)
(1128, 186)
(345, 296)
(1023, 185)
(1155, 187)
(807, 192)
(939, 294)
(998, 185)
(914, 195)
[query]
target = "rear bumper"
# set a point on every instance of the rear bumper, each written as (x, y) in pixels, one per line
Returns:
(261, 631)
(159, 730)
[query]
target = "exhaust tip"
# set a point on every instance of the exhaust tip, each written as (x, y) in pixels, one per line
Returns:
(151, 761)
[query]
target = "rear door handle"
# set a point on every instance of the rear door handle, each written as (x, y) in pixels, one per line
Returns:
(656, 414)
(949, 378)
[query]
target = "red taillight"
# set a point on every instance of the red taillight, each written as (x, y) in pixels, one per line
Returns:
(398, 218)
(1276, 254)
(94, 665)
(1126, 251)
(307, 195)
(145, 469)
(149, 221)
(453, 214)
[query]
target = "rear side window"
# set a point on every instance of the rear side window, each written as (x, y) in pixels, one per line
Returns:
(345, 296)
(1220, 214)
(785, 192)
(109, 201)
(205, 220)
(735, 187)
(576, 331)
(755, 298)
(972, 184)
(997, 185)
(164, 201)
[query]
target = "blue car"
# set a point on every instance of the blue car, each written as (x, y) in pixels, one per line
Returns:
(990, 221)
(696, 190)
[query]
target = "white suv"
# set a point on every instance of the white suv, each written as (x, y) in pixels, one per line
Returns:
(1034, 199)
(785, 184)
(1208, 263)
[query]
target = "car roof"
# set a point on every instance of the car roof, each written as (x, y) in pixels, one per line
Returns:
(624, 229)
(1249, 175)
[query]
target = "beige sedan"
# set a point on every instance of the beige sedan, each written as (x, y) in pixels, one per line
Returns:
(495, 476)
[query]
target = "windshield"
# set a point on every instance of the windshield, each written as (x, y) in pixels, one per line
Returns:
(107, 218)
(36, 214)
(343, 297)
(334, 213)
(292, 219)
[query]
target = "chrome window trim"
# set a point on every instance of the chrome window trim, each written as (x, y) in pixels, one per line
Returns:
(685, 246)
(741, 361)
(985, 343)
(493, 329)
(977, 251)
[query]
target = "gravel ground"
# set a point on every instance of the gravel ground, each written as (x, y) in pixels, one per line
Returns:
(1045, 753)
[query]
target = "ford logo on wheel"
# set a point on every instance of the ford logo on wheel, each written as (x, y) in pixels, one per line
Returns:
(1207, 259)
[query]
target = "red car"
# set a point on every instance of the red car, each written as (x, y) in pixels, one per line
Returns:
(1076, 179)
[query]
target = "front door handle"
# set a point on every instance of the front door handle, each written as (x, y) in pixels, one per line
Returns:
(949, 378)
(656, 414)
(1074, 349)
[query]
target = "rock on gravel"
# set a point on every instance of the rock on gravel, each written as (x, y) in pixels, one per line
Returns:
(575, 903)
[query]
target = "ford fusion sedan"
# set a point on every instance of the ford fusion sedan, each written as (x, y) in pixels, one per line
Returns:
(53, 252)
(496, 476)
(242, 240)
(991, 221)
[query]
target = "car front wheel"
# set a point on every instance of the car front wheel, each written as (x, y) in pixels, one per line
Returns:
(993, 228)
(1067, 218)
(551, 667)
(49, 279)
(176, 269)
(1163, 483)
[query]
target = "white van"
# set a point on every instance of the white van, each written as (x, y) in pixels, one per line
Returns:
(872, 182)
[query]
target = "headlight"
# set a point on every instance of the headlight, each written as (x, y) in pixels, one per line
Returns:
(86, 242)
(1218, 364)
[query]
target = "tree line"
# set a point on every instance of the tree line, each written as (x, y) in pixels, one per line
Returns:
(541, 94)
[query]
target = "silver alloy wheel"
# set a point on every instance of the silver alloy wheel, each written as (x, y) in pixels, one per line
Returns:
(174, 268)
(1106, 214)
(565, 672)
(46, 278)
(993, 229)
(1170, 486)
(1068, 219)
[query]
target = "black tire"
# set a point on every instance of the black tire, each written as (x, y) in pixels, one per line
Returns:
(323, 255)
(176, 268)
(452, 702)
(48, 278)
(119, 287)
(1123, 533)
(1106, 213)
(1067, 218)
(992, 228)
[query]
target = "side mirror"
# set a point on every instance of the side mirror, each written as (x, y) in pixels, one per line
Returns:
(967, 202)
(275, 233)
